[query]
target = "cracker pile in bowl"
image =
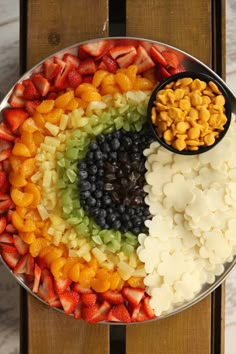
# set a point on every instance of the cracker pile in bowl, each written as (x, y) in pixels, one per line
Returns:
(96, 218)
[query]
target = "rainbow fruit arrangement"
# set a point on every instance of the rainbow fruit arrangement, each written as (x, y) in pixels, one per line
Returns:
(74, 212)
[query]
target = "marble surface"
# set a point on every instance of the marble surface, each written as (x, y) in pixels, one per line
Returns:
(9, 68)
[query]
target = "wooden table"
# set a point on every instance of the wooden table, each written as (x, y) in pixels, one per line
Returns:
(197, 27)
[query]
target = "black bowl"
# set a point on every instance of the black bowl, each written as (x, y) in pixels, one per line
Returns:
(194, 75)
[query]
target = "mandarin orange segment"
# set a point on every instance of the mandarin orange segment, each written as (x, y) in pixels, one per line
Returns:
(98, 77)
(89, 96)
(109, 79)
(103, 274)
(31, 188)
(86, 274)
(56, 267)
(63, 100)
(17, 221)
(29, 126)
(21, 150)
(84, 87)
(141, 83)
(27, 167)
(16, 163)
(22, 211)
(115, 281)
(74, 272)
(132, 72)
(54, 116)
(44, 251)
(29, 226)
(124, 82)
(20, 198)
(39, 120)
(45, 106)
(17, 180)
(109, 89)
(37, 245)
(100, 285)
(38, 138)
(28, 140)
(150, 75)
(54, 254)
(81, 103)
(27, 237)
(135, 282)
(73, 104)
(70, 261)
(33, 214)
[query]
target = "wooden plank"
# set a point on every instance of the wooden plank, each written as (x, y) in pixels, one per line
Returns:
(52, 25)
(186, 25)
(184, 333)
(53, 332)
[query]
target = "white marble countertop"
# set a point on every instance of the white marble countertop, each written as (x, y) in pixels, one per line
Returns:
(9, 68)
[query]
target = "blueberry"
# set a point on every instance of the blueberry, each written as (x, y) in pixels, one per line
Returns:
(82, 165)
(136, 230)
(113, 156)
(135, 156)
(99, 203)
(83, 174)
(121, 208)
(92, 179)
(93, 187)
(93, 170)
(116, 224)
(93, 146)
(98, 194)
(100, 172)
(90, 155)
(107, 200)
(105, 148)
(98, 155)
(91, 201)
(125, 217)
(99, 163)
(111, 218)
(100, 138)
(95, 212)
(100, 184)
(85, 186)
(115, 144)
(85, 195)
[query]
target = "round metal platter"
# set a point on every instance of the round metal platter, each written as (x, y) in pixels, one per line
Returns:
(189, 63)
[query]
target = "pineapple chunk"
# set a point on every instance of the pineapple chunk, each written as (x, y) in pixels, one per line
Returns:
(48, 148)
(42, 212)
(49, 140)
(63, 122)
(47, 179)
(124, 270)
(52, 128)
(99, 255)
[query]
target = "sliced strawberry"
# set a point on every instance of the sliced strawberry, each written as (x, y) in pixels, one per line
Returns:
(5, 133)
(124, 55)
(5, 153)
(46, 289)
(30, 92)
(110, 63)
(5, 203)
(16, 101)
(6, 166)
(162, 72)
(6, 238)
(25, 265)
(119, 313)
(30, 106)
(133, 295)
(87, 67)
(118, 51)
(41, 83)
(37, 276)
(5, 145)
(69, 301)
(3, 223)
(80, 289)
(7, 248)
(3, 178)
(113, 297)
(95, 49)
(74, 78)
(10, 258)
(41, 262)
(19, 90)
(51, 69)
(55, 302)
(127, 60)
(174, 71)
(78, 311)
(21, 247)
(9, 215)
(142, 315)
(102, 66)
(61, 80)
(14, 117)
(87, 78)
(134, 311)
(157, 56)
(10, 228)
(89, 299)
(52, 96)
(143, 60)
(61, 285)
(147, 308)
(170, 58)
(82, 55)
(70, 58)
(96, 313)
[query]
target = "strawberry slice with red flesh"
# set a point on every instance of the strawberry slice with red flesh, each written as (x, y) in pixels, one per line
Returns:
(142, 315)
(82, 55)
(31, 106)
(170, 58)
(61, 80)
(5, 154)
(96, 313)
(119, 313)
(61, 285)
(41, 83)
(161, 72)
(74, 78)
(16, 101)
(95, 49)
(110, 63)
(10, 228)
(157, 56)
(120, 51)
(6, 166)
(87, 67)
(143, 60)
(7, 248)
(11, 259)
(126, 60)
(50, 69)
(19, 90)
(41, 263)
(46, 290)
(30, 92)
(89, 299)
(80, 289)
(147, 308)
(70, 58)
(78, 311)
(3, 178)
(6, 238)
(87, 78)
(14, 117)
(69, 301)
(5, 202)
(174, 71)
(5, 133)
(113, 297)
(21, 247)
(124, 55)
(134, 311)
(133, 295)
(37, 276)
(3, 224)
(25, 265)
